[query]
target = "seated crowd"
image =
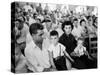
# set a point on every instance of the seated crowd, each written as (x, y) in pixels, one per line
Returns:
(44, 41)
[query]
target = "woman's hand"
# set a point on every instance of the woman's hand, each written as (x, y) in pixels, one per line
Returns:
(74, 54)
(72, 60)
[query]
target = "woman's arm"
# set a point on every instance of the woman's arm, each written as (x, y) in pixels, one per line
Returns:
(86, 53)
(66, 54)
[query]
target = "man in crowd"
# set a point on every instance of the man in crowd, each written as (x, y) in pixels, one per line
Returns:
(37, 58)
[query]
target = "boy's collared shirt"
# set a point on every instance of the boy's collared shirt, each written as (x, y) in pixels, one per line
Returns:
(57, 50)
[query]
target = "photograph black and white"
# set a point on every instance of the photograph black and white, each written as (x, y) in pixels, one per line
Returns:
(47, 37)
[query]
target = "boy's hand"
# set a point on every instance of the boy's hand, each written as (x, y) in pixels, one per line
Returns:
(46, 69)
(53, 69)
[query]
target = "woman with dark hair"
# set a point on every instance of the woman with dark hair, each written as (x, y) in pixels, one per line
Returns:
(68, 40)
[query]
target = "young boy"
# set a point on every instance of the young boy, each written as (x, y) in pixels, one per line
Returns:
(57, 52)
(83, 55)
(80, 50)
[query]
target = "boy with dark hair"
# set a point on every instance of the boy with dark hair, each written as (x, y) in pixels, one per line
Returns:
(57, 52)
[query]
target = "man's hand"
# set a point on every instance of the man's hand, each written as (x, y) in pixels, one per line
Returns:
(90, 58)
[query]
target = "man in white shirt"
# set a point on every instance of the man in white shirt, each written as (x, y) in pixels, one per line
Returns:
(37, 58)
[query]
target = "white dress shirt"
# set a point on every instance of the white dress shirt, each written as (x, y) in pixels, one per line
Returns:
(37, 58)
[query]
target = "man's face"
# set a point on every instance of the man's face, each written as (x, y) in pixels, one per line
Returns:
(67, 29)
(54, 39)
(48, 25)
(39, 36)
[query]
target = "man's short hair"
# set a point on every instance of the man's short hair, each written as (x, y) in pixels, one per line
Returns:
(67, 23)
(34, 27)
(54, 33)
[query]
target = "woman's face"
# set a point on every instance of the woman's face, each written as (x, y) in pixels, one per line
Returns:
(67, 29)
(83, 23)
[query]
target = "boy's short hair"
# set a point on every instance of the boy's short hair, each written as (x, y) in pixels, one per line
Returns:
(54, 33)
(67, 23)
(82, 21)
(34, 27)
